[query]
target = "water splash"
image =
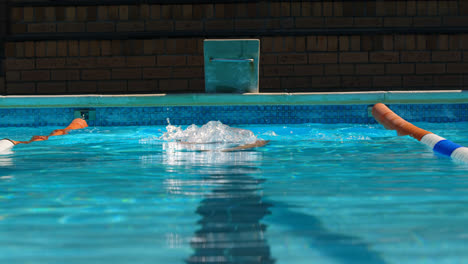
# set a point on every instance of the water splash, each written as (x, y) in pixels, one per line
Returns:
(211, 132)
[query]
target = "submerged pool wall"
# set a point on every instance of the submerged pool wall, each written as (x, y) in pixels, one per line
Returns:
(156, 46)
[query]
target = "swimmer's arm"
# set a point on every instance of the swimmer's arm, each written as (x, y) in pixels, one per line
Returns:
(256, 144)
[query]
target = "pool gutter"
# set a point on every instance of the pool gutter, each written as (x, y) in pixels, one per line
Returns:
(340, 98)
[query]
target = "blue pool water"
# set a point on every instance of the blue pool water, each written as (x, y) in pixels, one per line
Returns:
(342, 193)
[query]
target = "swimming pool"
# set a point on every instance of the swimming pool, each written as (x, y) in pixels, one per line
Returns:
(318, 193)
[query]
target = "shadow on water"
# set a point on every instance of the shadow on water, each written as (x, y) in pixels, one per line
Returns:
(231, 228)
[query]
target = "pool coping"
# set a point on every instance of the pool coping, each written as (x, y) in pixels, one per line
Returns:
(319, 98)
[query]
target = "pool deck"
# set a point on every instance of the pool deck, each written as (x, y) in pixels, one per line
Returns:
(339, 98)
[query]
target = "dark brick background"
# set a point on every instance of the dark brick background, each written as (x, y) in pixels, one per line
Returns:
(306, 46)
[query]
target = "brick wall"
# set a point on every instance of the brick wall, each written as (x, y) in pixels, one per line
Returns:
(3, 33)
(236, 18)
(2, 85)
(305, 46)
(364, 62)
(105, 66)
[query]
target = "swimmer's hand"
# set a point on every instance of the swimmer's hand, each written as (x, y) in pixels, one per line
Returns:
(256, 144)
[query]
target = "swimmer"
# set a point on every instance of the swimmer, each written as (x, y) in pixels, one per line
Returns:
(211, 136)
(6, 144)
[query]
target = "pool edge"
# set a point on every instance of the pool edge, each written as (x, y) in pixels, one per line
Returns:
(338, 98)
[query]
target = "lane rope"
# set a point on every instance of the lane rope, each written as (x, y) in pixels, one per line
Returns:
(392, 121)
(78, 123)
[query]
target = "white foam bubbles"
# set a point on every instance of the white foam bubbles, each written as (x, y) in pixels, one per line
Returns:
(211, 132)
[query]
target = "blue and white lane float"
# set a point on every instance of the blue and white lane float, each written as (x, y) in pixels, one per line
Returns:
(438, 144)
